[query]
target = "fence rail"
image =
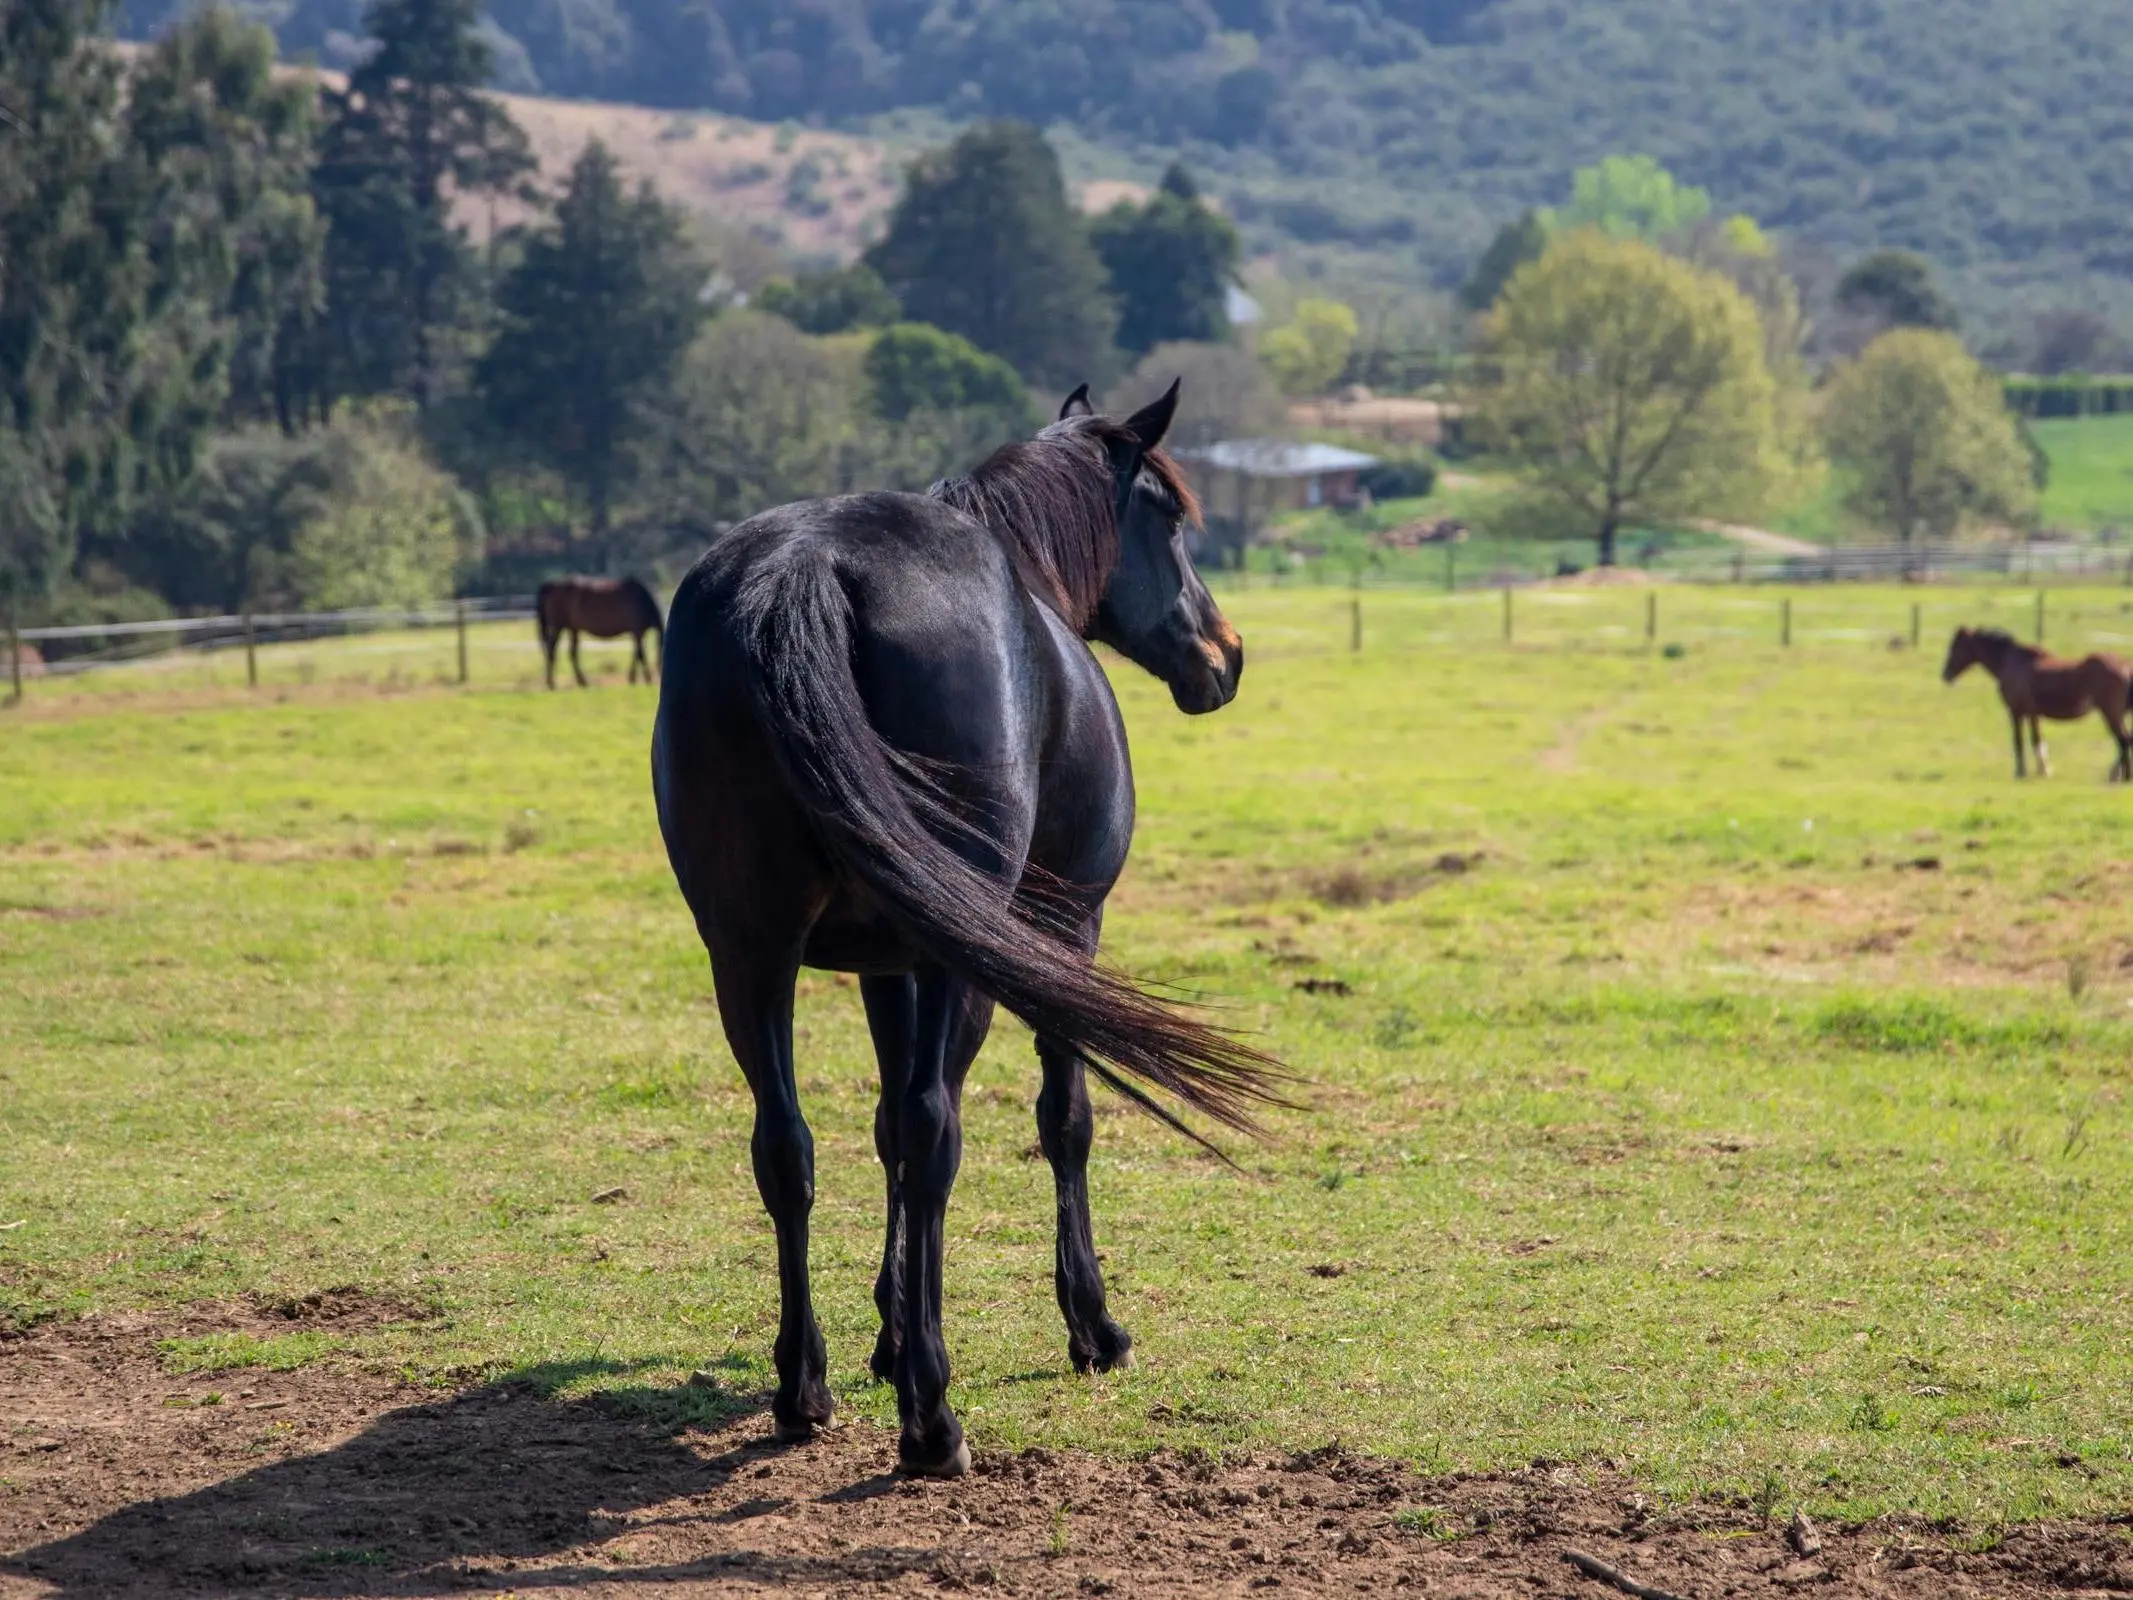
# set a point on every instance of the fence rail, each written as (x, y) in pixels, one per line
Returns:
(88, 646)
(1450, 567)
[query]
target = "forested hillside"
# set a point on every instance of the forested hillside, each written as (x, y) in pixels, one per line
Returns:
(1991, 134)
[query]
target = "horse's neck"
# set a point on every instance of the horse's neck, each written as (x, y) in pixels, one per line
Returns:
(2003, 656)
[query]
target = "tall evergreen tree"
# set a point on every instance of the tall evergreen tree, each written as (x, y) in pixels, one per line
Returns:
(130, 216)
(411, 132)
(985, 243)
(596, 317)
(231, 144)
(1170, 263)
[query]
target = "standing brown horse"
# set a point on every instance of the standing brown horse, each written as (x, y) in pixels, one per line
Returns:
(606, 608)
(2034, 684)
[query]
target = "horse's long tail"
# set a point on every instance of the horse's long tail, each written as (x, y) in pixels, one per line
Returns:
(884, 820)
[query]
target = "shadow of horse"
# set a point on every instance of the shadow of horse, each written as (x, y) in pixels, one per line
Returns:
(462, 1493)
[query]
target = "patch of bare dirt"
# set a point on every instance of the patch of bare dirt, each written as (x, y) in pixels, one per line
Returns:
(116, 1480)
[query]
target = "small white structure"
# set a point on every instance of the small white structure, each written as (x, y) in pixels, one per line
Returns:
(1280, 472)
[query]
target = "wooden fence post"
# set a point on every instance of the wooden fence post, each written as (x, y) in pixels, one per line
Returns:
(1914, 624)
(1355, 621)
(251, 654)
(1651, 616)
(1507, 613)
(461, 618)
(14, 651)
(2040, 616)
(1785, 622)
(1451, 567)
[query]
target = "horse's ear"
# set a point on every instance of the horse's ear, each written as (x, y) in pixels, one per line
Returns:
(1076, 404)
(1152, 421)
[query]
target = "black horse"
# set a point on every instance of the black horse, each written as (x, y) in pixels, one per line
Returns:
(884, 747)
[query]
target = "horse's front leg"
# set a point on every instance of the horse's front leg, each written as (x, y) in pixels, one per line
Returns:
(892, 1018)
(2036, 743)
(755, 1003)
(2021, 771)
(575, 667)
(949, 1023)
(1066, 1127)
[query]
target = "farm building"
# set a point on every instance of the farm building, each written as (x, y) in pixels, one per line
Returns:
(1242, 482)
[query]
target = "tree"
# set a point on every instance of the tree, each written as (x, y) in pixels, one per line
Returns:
(1169, 264)
(1632, 386)
(595, 318)
(1927, 437)
(1631, 197)
(137, 226)
(762, 415)
(1224, 393)
(1307, 353)
(213, 119)
(984, 243)
(1515, 244)
(833, 301)
(1895, 289)
(410, 132)
(911, 367)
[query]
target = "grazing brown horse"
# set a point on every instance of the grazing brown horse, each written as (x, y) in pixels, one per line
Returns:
(2034, 684)
(606, 608)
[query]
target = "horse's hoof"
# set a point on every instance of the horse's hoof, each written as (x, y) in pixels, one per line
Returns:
(1124, 1361)
(793, 1432)
(956, 1466)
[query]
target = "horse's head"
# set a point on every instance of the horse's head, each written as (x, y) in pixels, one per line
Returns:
(1155, 611)
(1962, 655)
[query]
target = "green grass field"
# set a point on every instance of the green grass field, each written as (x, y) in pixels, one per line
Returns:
(2092, 472)
(1717, 1062)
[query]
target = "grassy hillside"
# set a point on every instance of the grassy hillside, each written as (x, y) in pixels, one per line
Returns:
(1988, 133)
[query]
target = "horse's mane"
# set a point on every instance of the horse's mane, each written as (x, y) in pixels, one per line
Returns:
(1051, 499)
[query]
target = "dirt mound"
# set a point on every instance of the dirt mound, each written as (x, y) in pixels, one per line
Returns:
(117, 1480)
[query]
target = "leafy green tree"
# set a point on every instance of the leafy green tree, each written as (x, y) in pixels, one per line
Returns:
(595, 319)
(1896, 290)
(1632, 386)
(1309, 352)
(411, 132)
(1631, 197)
(1169, 263)
(1927, 438)
(351, 513)
(1224, 393)
(984, 242)
(1515, 244)
(836, 300)
(762, 415)
(912, 367)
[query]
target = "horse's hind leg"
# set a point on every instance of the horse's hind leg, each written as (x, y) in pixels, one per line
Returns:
(574, 666)
(755, 1002)
(949, 1023)
(638, 663)
(2020, 770)
(549, 640)
(2036, 743)
(1065, 1129)
(892, 1012)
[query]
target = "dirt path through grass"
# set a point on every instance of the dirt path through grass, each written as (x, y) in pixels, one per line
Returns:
(121, 1481)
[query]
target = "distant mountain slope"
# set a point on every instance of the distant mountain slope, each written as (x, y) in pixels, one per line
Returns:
(1996, 135)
